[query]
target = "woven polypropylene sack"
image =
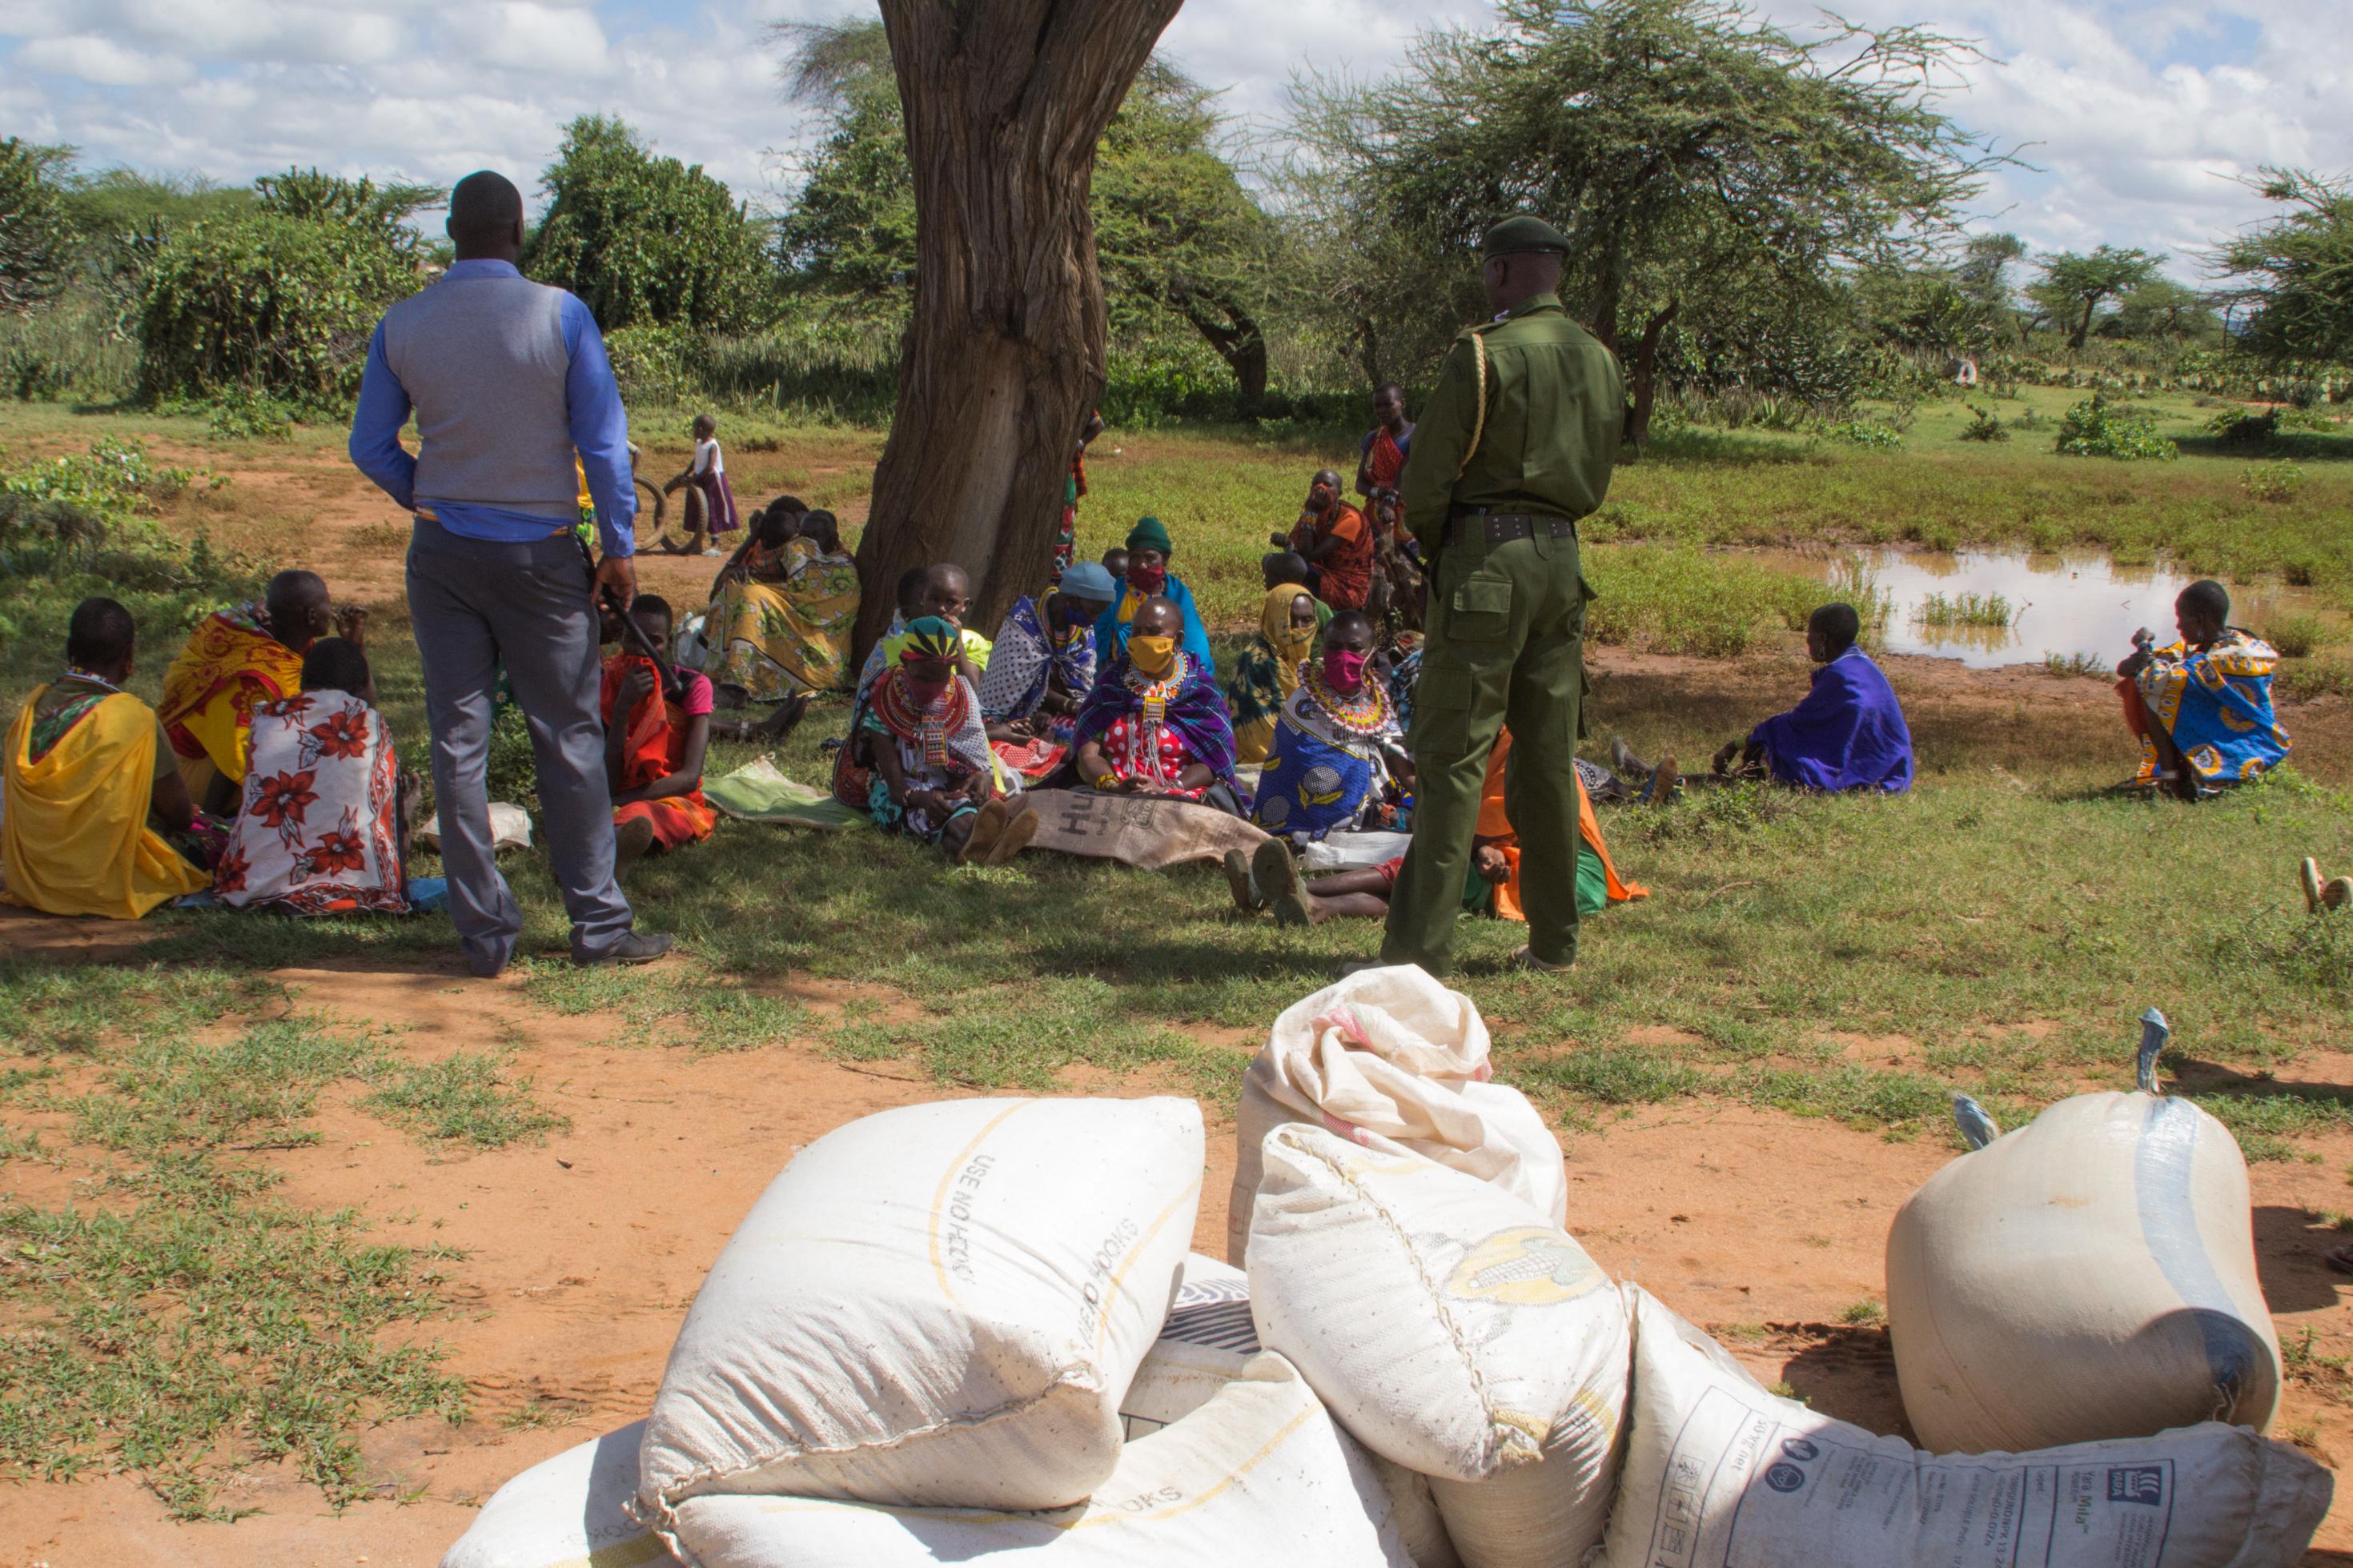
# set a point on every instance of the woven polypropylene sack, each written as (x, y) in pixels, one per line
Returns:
(1207, 1337)
(940, 1304)
(2091, 1275)
(570, 1511)
(1452, 1331)
(1719, 1472)
(1257, 1474)
(1394, 1061)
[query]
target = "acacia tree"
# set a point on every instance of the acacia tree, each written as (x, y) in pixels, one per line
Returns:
(1697, 157)
(1004, 103)
(36, 240)
(2079, 283)
(2299, 269)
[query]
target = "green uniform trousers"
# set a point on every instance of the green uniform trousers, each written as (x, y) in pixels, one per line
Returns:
(1506, 645)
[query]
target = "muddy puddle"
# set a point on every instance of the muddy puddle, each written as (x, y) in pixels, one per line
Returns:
(1990, 607)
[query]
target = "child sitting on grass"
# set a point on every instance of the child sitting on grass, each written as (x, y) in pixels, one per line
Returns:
(932, 766)
(654, 741)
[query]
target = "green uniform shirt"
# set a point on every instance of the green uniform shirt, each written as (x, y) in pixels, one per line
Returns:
(1555, 405)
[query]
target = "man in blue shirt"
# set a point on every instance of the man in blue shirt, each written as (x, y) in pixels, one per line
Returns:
(509, 381)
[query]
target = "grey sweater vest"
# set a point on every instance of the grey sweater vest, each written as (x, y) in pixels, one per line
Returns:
(484, 362)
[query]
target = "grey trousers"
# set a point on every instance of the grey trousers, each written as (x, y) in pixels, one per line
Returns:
(476, 605)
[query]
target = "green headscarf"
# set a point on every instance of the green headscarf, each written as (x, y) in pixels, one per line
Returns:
(1149, 534)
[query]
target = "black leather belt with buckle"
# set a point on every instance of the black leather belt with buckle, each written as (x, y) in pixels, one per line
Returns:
(1503, 527)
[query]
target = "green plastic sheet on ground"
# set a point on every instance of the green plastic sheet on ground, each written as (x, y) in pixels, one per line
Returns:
(759, 792)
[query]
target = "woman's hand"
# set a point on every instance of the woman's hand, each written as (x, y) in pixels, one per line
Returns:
(351, 624)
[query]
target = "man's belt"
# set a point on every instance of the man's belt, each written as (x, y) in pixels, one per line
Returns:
(1476, 525)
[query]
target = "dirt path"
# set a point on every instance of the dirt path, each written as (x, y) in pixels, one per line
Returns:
(581, 1256)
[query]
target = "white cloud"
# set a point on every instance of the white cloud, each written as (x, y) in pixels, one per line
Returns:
(2142, 113)
(102, 62)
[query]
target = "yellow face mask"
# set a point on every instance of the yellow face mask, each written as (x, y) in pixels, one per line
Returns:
(1152, 654)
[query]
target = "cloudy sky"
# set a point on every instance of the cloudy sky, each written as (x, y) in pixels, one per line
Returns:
(2140, 112)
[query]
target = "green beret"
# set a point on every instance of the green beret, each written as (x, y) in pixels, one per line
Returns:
(1149, 534)
(1515, 235)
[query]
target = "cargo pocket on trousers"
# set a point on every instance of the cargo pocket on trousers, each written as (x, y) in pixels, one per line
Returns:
(1480, 610)
(1441, 714)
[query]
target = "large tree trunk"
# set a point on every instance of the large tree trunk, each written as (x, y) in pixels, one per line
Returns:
(1005, 101)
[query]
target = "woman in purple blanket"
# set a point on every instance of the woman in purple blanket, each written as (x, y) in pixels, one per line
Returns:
(1156, 722)
(1849, 732)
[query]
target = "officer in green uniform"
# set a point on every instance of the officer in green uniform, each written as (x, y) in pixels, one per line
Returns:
(1513, 448)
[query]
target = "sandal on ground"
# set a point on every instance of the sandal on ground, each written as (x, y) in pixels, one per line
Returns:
(1277, 876)
(1016, 836)
(987, 825)
(1237, 881)
(630, 842)
(1526, 958)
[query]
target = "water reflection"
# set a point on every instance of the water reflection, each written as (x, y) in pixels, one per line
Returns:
(2059, 605)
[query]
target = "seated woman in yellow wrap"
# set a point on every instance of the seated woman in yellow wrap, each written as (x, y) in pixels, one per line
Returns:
(782, 612)
(235, 660)
(90, 783)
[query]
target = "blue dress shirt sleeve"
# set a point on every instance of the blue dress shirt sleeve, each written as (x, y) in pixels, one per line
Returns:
(600, 431)
(375, 445)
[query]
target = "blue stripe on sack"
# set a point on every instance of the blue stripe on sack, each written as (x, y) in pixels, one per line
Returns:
(1223, 1325)
(2168, 1225)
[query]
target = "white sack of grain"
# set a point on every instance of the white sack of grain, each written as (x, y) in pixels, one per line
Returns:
(1452, 1331)
(940, 1304)
(2091, 1275)
(1398, 1063)
(1719, 1472)
(572, 1512)
(1258, 1474)
(1207, 1339)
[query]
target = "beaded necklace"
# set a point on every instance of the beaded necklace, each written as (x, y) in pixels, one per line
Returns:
(1152, 695)
(1364, 712)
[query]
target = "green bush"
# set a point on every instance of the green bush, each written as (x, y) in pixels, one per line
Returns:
(1874, 435)
(2295, 635)
(1985, 427)
(2273, 481)
(241, 414)
(2095, 428)
(274, 304)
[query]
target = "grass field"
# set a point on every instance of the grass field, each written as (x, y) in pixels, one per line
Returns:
(1852, 959)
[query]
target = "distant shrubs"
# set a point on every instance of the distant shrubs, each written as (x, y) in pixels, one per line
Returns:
(2295, 636)
(265, 301)
(1874, 434)
(2271, 482)
(1985, 427)
(2097, 429)
(241, 414)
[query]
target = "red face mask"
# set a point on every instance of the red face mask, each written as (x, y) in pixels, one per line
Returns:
(1147, 579)
(926, 691)
(1344, 669)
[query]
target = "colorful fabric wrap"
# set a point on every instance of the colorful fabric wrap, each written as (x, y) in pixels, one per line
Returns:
(74, 839)
(2217, 706)
(233, 663)
(319, 833)
(1026, 658)
(1325, 773)
(1188, 701)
